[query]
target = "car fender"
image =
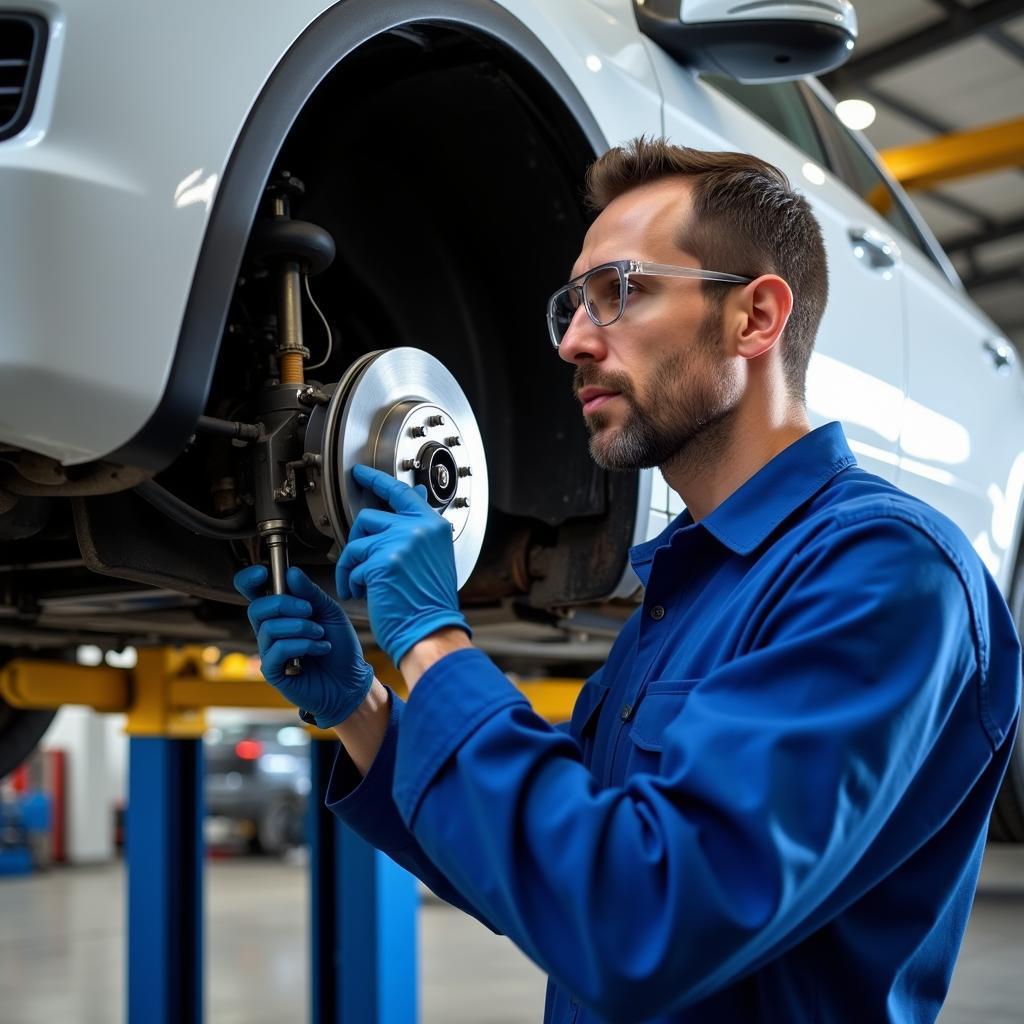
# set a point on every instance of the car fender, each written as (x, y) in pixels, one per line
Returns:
(132, 201)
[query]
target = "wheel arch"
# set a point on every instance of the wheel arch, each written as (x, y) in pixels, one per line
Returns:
(308, 62)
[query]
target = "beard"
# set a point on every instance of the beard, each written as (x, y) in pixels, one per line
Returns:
(682, 412)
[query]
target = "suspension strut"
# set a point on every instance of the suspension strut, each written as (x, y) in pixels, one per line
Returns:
(290, 249)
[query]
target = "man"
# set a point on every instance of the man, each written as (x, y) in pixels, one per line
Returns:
(771, 802)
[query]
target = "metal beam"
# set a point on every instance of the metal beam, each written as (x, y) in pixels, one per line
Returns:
(995, 34)
(960, 24)
(936, 125)
(957, 155)
(960, 208)
(995, 233)
(998, 275)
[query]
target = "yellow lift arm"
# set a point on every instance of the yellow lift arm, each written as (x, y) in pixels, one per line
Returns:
(167, 692)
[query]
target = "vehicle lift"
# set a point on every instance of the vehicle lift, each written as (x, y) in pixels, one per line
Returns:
(363, 905)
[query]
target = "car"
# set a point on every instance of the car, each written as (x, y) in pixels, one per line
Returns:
(222, 222)
(256, 784)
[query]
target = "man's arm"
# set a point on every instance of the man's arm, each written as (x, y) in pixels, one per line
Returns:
(362, 733)
(359, 792)
(429, 651)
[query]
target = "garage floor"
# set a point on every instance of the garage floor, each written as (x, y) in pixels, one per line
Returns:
(62, 951)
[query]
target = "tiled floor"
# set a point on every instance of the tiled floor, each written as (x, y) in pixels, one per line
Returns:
(62, 951)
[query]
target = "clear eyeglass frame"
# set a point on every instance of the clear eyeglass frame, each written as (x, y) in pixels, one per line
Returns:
(574, 294)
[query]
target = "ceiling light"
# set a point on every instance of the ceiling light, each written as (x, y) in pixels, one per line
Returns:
(855, 114)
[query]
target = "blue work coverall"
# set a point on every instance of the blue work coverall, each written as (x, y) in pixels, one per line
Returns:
(770, 804)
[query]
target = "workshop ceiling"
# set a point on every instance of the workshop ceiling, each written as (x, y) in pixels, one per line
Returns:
(935, 67)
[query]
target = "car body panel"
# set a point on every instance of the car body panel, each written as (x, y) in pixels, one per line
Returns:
(109, 189)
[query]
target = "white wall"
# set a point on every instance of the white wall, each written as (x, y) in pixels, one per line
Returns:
(84, 736)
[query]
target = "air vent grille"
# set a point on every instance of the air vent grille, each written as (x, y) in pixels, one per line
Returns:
(22, 42)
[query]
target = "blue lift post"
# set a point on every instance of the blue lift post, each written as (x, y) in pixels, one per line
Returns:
(364, 911)
(164, 857)
(164, 843)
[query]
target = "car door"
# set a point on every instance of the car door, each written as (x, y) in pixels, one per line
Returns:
(960, 439)
(857, 372)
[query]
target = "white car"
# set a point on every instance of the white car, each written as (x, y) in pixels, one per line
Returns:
(173, 178)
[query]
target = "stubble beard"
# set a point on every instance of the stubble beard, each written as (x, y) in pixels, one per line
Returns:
(683, 416)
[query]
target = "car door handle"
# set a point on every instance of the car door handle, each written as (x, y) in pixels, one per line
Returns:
(874, 248)
(1001, 353)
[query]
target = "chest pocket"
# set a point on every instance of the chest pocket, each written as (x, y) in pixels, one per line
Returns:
(662, 703)
(585, 712)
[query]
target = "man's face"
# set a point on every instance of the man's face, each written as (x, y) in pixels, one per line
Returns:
(663, 358)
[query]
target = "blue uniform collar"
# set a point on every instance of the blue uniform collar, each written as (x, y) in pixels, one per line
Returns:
(776, 490)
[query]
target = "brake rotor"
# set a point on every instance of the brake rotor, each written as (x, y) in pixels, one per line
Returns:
(401, 411)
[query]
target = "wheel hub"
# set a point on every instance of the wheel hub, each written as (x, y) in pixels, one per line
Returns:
(402, 412)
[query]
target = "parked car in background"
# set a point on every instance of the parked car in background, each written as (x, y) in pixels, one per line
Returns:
(256, 785)
(441, 148)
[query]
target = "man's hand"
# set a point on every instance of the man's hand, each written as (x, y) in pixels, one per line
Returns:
(403, 563)
(307, 624)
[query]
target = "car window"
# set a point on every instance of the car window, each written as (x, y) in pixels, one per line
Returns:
(781, 106)
(858, 170)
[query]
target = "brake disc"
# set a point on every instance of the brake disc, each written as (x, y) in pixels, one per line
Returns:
(401, 411)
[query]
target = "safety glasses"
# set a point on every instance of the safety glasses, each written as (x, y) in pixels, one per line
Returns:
(602, 291)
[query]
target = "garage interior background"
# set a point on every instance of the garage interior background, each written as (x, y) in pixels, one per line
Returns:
(950, 68)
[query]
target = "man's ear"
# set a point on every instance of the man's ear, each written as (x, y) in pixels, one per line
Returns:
(760, 314)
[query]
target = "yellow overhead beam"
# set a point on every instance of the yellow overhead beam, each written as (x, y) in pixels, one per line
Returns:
(45, 684)
(167, 691)
(957, 155)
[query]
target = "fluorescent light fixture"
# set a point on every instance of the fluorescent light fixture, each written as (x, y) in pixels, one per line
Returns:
(89, 654)
(122, 659)
(855, 114)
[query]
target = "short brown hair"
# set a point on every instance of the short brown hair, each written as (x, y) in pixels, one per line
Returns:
(746, 220)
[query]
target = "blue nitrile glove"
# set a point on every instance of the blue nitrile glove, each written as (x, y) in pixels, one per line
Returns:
(403, 563)
(308, 624)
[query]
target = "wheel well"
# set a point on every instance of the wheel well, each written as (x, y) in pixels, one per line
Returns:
(449, 172)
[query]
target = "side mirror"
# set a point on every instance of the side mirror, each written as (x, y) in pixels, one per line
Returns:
(765, 41)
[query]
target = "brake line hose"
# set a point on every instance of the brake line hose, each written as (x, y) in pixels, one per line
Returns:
(234, 527)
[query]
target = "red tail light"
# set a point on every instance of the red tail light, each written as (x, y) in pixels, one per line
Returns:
(248, 750)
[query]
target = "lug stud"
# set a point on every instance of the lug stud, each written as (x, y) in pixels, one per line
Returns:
(465, 470)
(460, 503)
(417, 431)
(435, 421)
(410, 464)
(453, 442)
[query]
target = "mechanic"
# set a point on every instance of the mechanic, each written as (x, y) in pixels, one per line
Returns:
(771, 801)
